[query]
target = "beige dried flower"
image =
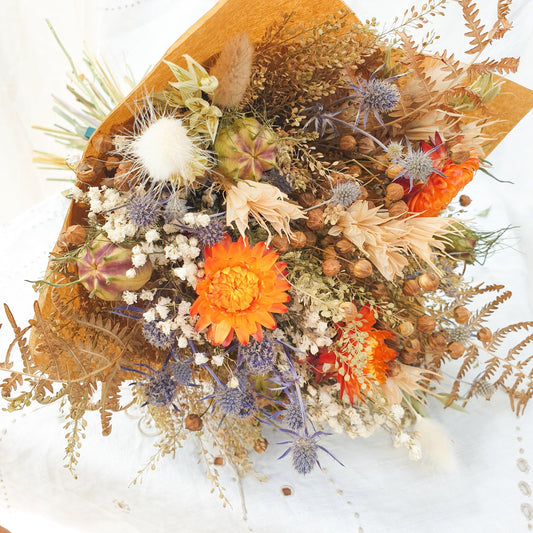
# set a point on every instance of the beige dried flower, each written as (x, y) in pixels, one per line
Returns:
(262, 201)
(233, 70)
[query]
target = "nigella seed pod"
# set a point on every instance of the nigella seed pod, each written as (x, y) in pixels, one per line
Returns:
(406, 328)
(395, 192)
(102, 270)
(398, 209)
(246, 149)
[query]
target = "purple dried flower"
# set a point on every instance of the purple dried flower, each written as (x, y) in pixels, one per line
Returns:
(258, 355)
(143, 209)
(156, 337)
(181, 372)
(210, 234)
(238, 402)
(159, 389)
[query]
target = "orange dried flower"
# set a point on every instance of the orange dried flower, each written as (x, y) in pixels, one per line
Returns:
(241, 288)
(355, 367)
(432, 197)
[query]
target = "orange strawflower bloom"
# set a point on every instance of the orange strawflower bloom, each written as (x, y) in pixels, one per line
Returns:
(358, 361)
(241, 288)
(432, 197)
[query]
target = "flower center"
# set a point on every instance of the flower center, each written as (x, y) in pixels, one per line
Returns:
(234, 288)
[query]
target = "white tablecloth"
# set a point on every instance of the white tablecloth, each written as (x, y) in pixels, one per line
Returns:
(378, 490)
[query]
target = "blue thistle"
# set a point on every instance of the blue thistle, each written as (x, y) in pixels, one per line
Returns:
(417, 165)
(238, 402)
(258, 355)
(156, 337)
(293, 416)
(345, 194)
(181, 372)
(210, 234)
(375, 96)
(159, 389)
(395, 151)
(304, 455)
(175, 208)
(143, 209)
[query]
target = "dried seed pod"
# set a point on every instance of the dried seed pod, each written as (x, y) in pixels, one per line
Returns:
(366, 146)
(429, 281)
(193, 422)
(286, 491)
(280, 243)
(306, 199)
(393, 368)
(406, 328)
(72, 237)
(328, 240)
(459, 154)
(260, 445)
(331, 267)
(310, 239)
(465, 200)
(484, 335)
(102, 144)
(426, 324)
(218, 461)
(456, 349)
(363, 193)
(437, 341)
(411, 287)
(315, 219)
(394, 192)
(461, 315)
(347, 143)
(111, 163)
(362, 269)
(412, 345)
(344, 246)
(392, 172)
(329, 253)
(408, 358)
(398, 209)
(90, 171)
(297, 239)
(349, 310)
(379, 290)
(354, 170)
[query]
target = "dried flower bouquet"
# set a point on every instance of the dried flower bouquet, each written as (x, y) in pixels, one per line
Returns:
(260, 234)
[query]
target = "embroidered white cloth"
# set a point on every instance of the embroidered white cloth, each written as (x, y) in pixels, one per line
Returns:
(379, 489)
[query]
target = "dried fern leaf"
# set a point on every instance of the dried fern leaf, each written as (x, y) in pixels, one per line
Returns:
(479, 37)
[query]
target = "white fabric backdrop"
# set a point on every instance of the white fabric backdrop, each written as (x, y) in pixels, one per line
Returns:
(379, 490)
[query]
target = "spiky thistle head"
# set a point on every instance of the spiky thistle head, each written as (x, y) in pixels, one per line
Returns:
(143, 209)
(345, 194)
(293, 416)
(159, 389)
(181, 372)
(304, 455)
(210, 234)
(375, 96)
(236, 401)
(395, 151)
(156, 336)
(258, 355)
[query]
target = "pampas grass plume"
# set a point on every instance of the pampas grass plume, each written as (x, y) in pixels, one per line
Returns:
(233, 70)
(437, 447)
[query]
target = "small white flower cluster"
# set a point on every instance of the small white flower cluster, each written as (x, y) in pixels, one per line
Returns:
(315, 332)
(186, 250)
(172, 319)
(402, 438)
(108, 202)
(354, 421)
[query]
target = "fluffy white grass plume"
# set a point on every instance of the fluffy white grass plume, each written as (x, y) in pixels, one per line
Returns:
(163, 151)
(437, 447)
(233, 70)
